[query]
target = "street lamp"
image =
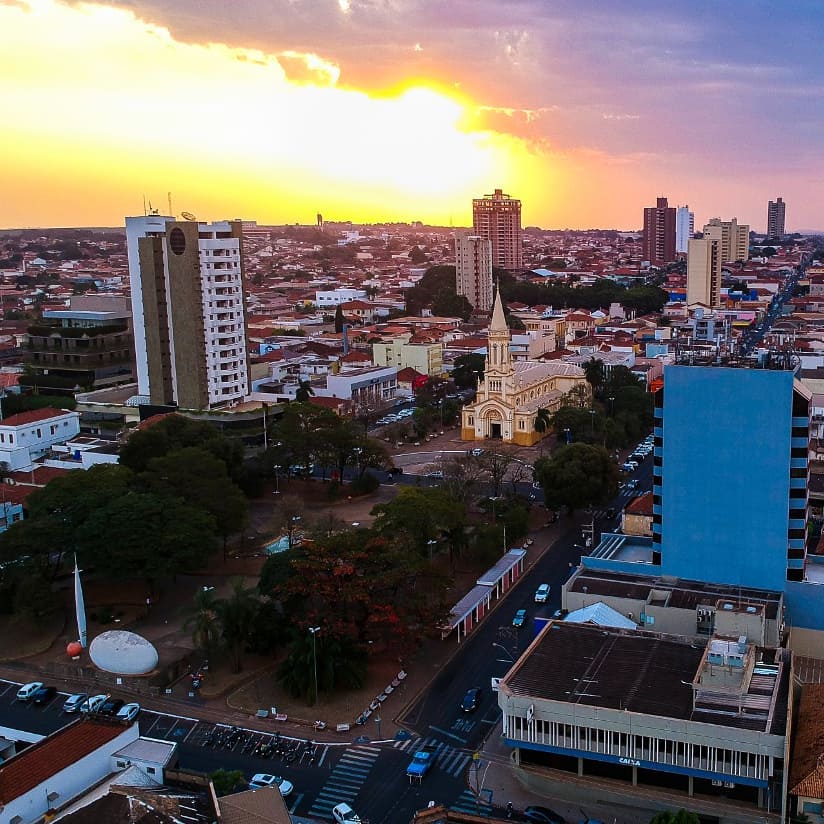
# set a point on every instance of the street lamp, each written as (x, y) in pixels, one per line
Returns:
(567, 434)
(378, 722)
(314, 631)
(592, 421)
(611, 405)
(430, 543)
(277, 478)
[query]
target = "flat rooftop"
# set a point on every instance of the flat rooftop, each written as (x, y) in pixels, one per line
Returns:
(678, 593)
(633, 670)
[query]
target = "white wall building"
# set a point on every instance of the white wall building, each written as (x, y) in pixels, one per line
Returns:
(684, 227)
(332, 297)
(27, 436)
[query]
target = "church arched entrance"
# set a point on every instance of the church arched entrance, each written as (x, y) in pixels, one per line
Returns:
(494, 424)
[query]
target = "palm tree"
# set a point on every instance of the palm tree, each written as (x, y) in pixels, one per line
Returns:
(237, 618)
(543, 420)
(203, 621)
(595, 373)
(304, 391)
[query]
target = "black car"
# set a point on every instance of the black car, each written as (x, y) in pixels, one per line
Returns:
(44, 695)
(471, 699)
(111, 706)
(543, 815)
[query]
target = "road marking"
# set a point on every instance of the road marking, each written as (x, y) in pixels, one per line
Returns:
(448, 734)
(323, 757)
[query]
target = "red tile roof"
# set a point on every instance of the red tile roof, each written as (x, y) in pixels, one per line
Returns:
(39, 476)
(408, 374)
(642, 505)
(33, 416)
(46, 758)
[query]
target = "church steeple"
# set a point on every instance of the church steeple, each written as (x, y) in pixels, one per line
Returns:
(498, 358)
(498, 322)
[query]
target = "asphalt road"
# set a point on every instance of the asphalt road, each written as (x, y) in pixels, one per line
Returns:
(372, 776)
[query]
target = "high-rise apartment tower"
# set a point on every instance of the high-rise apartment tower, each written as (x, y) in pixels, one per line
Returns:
(775, 218)
(684, 228)
(473, 270)
(704, 272)
(659, 233)
(734, 239)
(497, 217)
(188, 309)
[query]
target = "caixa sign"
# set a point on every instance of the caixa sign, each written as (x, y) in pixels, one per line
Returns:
(629, 762)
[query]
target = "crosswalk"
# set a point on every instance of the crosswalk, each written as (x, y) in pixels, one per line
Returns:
(345, 780)
(447, 758)
(471, 804)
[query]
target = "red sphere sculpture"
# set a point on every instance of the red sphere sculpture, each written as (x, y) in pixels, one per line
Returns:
(74, 649)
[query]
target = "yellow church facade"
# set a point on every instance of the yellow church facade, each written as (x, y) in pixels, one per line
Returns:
(512, 392)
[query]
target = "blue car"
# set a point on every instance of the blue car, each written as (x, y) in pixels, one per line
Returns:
(520, 617)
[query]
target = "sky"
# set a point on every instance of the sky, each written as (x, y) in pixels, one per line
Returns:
(384, 110)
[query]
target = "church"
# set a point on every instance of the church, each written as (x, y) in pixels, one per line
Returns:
(512, 392)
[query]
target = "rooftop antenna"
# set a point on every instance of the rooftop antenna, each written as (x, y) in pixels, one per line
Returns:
(144, 205)
(169, 195)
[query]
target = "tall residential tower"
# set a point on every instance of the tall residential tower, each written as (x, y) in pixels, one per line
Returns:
(704, 272)
(734, 239)
(659, 233)
(684, 228)
(497, 218)
(188, 309)
(775, 218)
(473, 270)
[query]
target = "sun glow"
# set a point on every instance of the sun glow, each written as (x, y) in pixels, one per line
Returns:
(109, 105)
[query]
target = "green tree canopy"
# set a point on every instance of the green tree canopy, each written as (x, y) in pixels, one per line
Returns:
(577, 475)
(468, 370)
(680, 817)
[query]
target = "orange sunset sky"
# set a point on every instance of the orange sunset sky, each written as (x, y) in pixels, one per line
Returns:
(389, 110)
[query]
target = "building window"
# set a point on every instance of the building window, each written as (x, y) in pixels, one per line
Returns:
(151, 770)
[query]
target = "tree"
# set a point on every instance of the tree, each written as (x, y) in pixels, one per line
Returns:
(226, 782)
(237, 619)
(417, 255)
(203, 621)
(497, 462)
(339, 319)
(200, 479)
(468, 370)
(577, 475)
(155, 537)
(681, 817)
(422, 514)
(543, 420)
(595, 373)
(304, 391)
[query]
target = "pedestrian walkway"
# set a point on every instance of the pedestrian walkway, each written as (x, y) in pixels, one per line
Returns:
(345, 780)
(447, 758)
(470, 803)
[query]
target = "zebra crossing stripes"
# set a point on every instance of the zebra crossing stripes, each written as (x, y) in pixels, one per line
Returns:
(471, 804)
(345, 780)
(447, 758)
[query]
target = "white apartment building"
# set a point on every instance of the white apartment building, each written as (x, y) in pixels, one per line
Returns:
(332, 297)
(473, 270)
(188, 310)
(27, 436)
(684, 227)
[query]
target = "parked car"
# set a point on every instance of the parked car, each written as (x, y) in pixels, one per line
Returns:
(633, 484)
(519, 619)
(44, 695)
(93, 703)
(543, 815)
(27, 691)
(111, 706)
(73, 702)
(260, 780)
(344, 814)
(471, 699)
(128, 712)
(541, 594)
(477, 452)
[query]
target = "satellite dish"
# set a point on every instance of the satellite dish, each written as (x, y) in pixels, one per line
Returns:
(187, 216)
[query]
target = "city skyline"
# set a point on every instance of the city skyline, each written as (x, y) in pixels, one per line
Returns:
(406, 111)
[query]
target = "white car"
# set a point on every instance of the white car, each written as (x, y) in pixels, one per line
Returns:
(128, 712)
(260, 780)
(27, 691)
(73, 702)
(344, 814)
(93, 703)
(541, 594)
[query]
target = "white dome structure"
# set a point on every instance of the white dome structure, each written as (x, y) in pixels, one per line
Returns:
(123, 653)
